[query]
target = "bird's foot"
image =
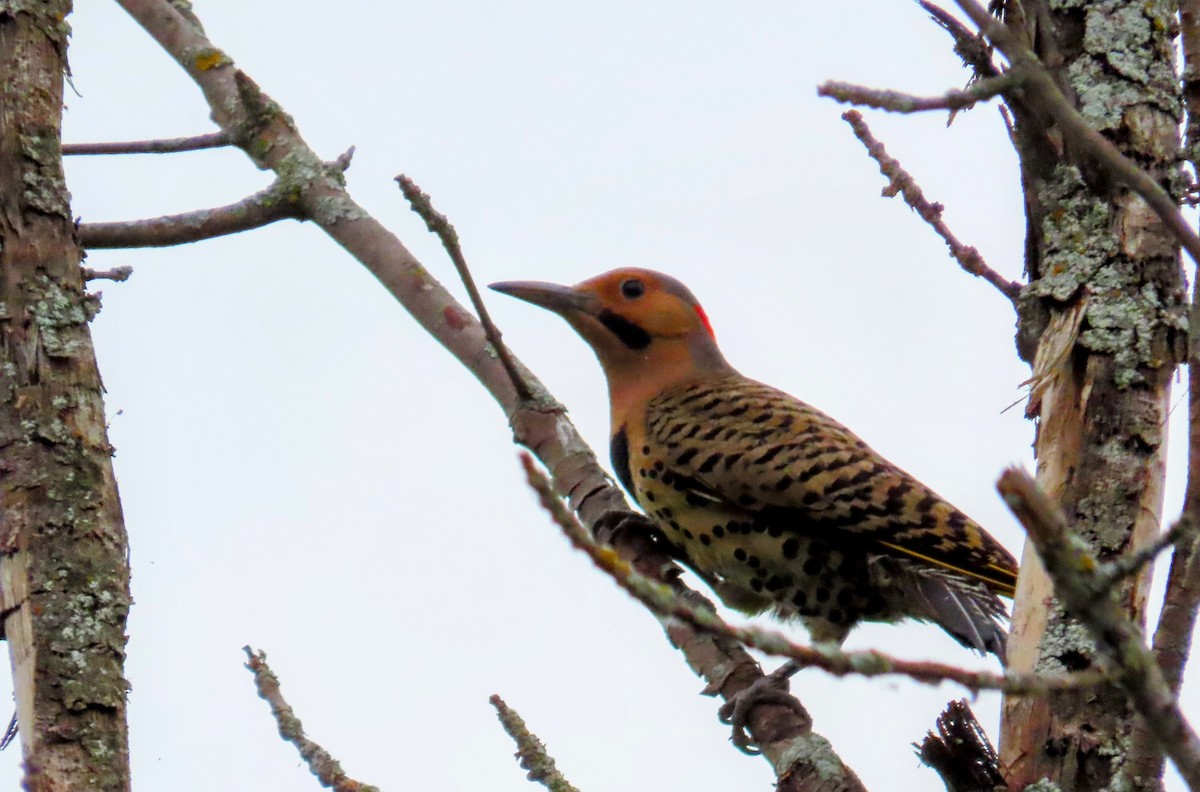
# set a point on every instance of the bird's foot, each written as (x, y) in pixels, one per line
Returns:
(613, 524)
(772, 688)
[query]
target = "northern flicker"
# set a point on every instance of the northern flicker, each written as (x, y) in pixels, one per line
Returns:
(773, 503)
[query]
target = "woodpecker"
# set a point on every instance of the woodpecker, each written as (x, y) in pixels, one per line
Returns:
(777, 506)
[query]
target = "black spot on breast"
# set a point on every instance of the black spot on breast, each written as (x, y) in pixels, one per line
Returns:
(618, 451)
(791, 548)
(629, 333)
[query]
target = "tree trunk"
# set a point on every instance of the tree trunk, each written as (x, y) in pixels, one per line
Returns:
(64, 576)
(1107, 289)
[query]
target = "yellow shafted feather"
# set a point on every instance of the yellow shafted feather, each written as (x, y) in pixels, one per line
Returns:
(776, 505)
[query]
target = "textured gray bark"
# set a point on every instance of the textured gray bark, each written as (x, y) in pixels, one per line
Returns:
(64, 578)
(1094, 247)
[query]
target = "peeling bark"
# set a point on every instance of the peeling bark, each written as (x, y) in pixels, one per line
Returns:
(64, 578)
(1095, 247)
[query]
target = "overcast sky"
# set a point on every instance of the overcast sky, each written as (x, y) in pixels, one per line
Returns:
(304, 470)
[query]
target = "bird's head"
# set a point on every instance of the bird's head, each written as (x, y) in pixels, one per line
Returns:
(641, 324)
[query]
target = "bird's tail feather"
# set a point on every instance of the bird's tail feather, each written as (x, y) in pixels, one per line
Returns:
(965, 609)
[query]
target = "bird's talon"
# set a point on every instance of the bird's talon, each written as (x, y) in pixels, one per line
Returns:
(770, 689)
(613, 523)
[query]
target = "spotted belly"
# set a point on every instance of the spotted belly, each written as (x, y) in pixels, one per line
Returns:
(756, 561)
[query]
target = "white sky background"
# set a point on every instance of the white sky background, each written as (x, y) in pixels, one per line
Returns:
(305, 470)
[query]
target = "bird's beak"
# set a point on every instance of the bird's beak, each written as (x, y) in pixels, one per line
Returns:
(551, 296)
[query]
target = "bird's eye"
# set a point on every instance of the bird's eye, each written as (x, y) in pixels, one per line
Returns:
(632, 288)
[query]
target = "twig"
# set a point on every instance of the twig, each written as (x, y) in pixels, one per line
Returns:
(961, 753)
(161, 146)
(117, 274)
(897, 102)
(323, 766)
(1040, 91)
(1078, 586)
(661, 600)
(899, 181)
(437, 222)
(254, 211)
(530, 751)
(972, 48)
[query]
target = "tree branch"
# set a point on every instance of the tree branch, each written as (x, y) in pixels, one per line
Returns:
(1080, 588)
(255, 211)
(665, 603)
(531, 752)
(899, 181)
(161, 146)
(438, 223)
(319, 761)
(896, 102)
(1040, 91)
(117, 274)
(972, 48)
(269, 137)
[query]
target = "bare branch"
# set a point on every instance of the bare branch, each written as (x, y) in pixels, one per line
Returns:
(438, 223)
(972, 48)
(530, 750)
(323, 766)
(255, 211)
(1040, 91)
(240, 107)
(897, 102)
(899, 181)
(117, 274)
(161, 146)
(663, 601)
(1080, 588)
(961, 753)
